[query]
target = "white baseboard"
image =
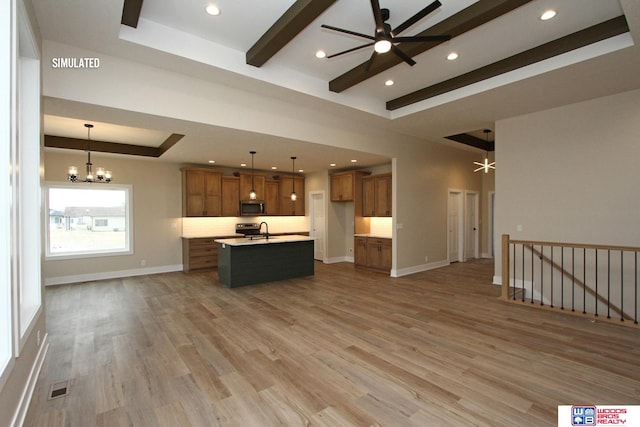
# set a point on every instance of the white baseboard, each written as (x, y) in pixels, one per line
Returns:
(338, 259)
(27, 392)
(418, 268)
(62, 280)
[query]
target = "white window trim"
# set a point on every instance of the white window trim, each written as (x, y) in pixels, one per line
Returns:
(94, 254)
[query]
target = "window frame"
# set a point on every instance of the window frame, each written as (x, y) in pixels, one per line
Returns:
(128, 250)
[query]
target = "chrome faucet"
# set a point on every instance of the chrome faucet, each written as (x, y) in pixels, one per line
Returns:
(266, 235)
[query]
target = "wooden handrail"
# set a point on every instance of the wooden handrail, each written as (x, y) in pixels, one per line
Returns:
(575, 245)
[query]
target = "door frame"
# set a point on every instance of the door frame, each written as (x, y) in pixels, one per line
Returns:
(491, 206)
(476, 223)
(312, 202)
(460, 225)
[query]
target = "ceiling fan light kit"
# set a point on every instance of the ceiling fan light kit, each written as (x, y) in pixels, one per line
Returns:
(387, 39)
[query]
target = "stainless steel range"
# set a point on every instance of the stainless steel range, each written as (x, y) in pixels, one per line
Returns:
(248, 229)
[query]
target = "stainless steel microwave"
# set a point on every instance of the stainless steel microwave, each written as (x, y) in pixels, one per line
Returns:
(251, 207)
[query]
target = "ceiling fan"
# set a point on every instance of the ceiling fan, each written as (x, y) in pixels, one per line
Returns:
(386, 39)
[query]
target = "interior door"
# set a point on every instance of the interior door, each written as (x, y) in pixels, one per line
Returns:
(454, 229)
(317, 220)
(471, 226)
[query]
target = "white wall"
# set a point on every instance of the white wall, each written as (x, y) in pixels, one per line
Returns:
(570, 174)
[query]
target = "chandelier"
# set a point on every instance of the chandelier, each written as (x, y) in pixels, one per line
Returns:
(101, 175)
(486, 165)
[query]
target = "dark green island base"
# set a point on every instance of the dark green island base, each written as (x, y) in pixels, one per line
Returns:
(242, 262)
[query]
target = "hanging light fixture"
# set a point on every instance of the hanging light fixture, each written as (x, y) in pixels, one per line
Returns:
(101, 175)
(293, 180)
(486, 165)
(252, 194)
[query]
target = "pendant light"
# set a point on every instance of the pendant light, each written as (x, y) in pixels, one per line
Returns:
(252, 194)
(101, 176)
(486, 165)
(293, 180)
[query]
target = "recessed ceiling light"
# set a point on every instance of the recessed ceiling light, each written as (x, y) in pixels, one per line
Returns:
(389, 82)
(548, 15)
(212, 161)
(243, 164)
(452, 56)
(274, 167)
(300, 170)
(332, 164)
(354, 161)
(212, 10)
(321, 54)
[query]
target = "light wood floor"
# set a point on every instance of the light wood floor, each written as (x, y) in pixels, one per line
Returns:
(343, 348)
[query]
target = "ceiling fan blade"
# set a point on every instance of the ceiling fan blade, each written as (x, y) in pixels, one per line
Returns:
(377, 15)
(353, 33)
(414, 39)
(370, 61)
(349, 50)
(418, 16)
(406, 58)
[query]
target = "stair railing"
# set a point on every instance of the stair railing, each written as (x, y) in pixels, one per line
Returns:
(592, 280)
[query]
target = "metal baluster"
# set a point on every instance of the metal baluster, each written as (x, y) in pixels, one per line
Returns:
(514, 272)
(522, 284)
(562, 278)
(608, 283)
(552, 276)
(621, 286)
(532, 274)
(584, 279)
(635, 315)
(596, 296)
(541, 274)
(573, 279)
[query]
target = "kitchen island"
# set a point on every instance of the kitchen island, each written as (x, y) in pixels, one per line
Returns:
(244, 261)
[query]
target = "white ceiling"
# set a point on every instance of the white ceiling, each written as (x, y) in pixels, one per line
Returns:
(577, 76)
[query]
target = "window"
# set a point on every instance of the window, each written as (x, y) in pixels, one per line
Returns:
(88, 220)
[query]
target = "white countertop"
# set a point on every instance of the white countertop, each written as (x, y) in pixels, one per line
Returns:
(243, 241)
(378, 236)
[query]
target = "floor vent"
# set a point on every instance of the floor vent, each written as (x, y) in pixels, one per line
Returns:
(59, 389)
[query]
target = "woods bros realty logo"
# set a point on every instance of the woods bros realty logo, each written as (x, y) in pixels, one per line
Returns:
(75, 62)
(598, 415)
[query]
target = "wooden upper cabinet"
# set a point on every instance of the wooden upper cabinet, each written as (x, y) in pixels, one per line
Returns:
(230, 196)
(376, 195)
(259, 180)
(288, 206)
(201, 192)
(272, 199)
(345, 186)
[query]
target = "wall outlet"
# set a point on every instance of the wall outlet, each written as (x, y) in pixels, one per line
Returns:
(350, 250)
(426, 258)
(143, 262)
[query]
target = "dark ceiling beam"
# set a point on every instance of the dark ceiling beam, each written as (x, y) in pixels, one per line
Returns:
(473, 141)
(131, 13)
(593, 34)
(473, 16)
(111, 147)
(295, 19)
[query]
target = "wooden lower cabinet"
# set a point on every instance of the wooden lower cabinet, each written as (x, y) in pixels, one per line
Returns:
(200, 253)
(373, 252)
